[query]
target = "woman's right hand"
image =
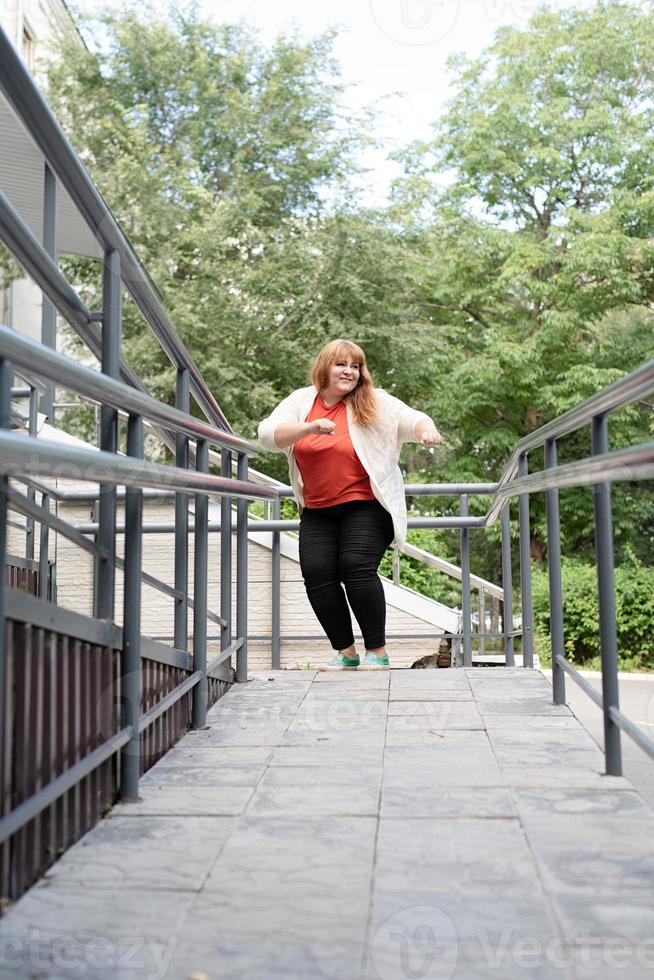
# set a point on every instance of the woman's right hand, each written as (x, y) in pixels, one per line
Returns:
(322, 427)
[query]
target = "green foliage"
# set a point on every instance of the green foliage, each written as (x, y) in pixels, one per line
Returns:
(494, 302)
(634, 590)
(533, 263)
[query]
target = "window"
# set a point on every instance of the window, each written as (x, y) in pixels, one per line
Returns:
(29, 47)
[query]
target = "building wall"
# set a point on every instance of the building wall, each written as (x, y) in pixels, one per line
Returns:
(31, 26)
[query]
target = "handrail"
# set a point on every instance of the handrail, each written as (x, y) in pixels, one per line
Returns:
(23, 505)
(454, 571)
(634, 463)
(622, 392)
(22, 93)
(40, 267)
(617, 395)
(102, 389)
(17, 457)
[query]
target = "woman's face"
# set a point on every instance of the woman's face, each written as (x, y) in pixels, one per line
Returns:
(343, 376)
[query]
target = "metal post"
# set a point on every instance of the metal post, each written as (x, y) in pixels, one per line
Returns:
(131, 654)
(5, 423)
(481, 641)
(200, 582)
(507, 587)
(48, 311)
(396, 566)
(554, 573)
(182, 402)
(111, 331)
(226, 556)
(242, 573)
(465, 586)
(525, 570)
(606, 590)
(44, 568)
(276, 587)
(32, 429)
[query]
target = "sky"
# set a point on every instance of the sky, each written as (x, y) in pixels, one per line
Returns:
(386, 47)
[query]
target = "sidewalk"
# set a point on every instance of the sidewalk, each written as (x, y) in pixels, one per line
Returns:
(359, 825)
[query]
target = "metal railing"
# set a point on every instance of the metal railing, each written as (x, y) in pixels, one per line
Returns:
(91, 654)
(598, 471)
(117, 700)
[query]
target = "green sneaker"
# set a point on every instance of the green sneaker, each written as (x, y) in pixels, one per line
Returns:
(341, 662)
(373, 662)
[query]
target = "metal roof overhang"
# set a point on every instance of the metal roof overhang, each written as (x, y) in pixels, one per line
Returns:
(22, 169)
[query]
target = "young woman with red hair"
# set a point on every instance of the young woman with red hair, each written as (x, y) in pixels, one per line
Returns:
(342, 438)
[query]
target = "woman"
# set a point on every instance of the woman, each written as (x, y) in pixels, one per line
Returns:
(342, 438)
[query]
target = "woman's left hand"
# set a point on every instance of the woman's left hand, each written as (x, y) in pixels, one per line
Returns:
(430, 437)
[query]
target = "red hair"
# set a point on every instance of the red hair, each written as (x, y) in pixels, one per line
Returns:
(361, 398)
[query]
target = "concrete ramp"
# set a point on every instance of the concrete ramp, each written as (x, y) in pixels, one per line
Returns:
(369, 826)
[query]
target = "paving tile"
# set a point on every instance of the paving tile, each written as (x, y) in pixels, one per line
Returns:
(455, 796)
(291, 677)
(356, 679)
(402, 794)
(310, 734)
(267, 958)
(608, 956)
(318, 790)
(441, 716)
(517, 725)
(289, 914)
(326, 753)
(263, 736)
(458, 855)
(341, 714)
(179, 800)
(536, 755)
(433, 933)
(624, 918)
(511, 705)
(143, 852)
(324, 692)
(429, 679)
(215, 756)
(163, 775)
(62, 932)
(271, 853)
(427, 687)
(455, 758)
(564, 775)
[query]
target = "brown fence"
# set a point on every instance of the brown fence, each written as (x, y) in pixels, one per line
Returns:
(61, 703)
(24, 574)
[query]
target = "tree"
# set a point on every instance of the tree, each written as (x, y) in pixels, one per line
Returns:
(544, 229)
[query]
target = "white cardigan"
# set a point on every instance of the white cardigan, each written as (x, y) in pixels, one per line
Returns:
(377, 446)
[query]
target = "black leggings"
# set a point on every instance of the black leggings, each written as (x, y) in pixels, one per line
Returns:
(345, 543)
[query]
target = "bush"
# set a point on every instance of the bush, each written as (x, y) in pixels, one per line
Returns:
(634, 594)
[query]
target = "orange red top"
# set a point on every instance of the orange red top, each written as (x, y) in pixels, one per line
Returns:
(331, 471)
